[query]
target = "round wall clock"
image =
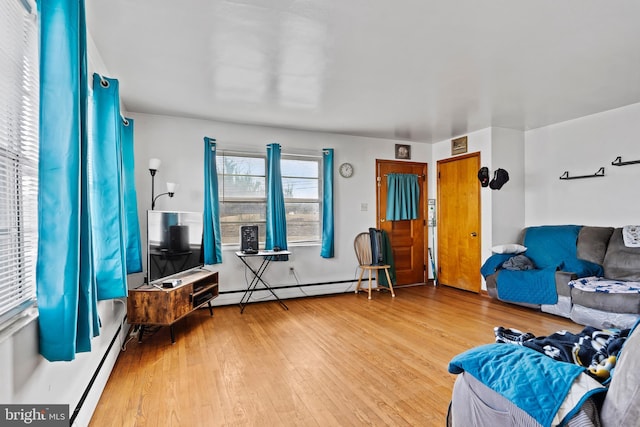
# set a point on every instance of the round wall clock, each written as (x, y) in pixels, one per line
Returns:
(346, 170)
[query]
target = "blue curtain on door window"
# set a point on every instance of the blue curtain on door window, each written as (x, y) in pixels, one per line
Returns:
(133, 243)
(403, 196)
(106, 194)
(212, 237)
(326, 250)
(65, 288)
(276, 233)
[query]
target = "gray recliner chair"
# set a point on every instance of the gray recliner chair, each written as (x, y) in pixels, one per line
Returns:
(474, 404)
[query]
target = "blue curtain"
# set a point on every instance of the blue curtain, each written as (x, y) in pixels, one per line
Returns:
(64, 278)
(212, 237)
(326, 251)
(133, 254)
(403, 196)
(106, 191)
(276, 214)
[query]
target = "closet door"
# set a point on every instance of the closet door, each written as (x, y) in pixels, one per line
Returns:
(458, 226)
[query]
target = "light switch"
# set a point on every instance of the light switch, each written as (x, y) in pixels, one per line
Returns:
(364, 207)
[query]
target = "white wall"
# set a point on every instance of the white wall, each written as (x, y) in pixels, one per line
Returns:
(581, 147)
(507, 204)
(27, 378)
(178, 143)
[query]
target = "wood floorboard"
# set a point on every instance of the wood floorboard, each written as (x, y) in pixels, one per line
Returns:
(339, 360)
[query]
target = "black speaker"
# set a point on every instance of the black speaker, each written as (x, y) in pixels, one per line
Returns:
(249, 239)
(179, 238)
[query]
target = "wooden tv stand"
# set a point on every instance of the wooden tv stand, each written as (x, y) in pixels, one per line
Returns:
(151, 304)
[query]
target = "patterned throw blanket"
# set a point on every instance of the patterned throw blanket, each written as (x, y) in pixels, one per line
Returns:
(594, 349)
(607, 286)
(631, 236)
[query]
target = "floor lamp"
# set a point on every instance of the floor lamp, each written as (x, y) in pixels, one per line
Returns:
(154, 165)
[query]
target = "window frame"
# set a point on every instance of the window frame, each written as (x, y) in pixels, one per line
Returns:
(223, 198)
(319, 200)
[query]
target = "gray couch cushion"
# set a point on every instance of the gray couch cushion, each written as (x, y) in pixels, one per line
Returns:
(614, 303)
(562, 280)
(592, 243)
(621, 262)
(621, 407)
(473, 403)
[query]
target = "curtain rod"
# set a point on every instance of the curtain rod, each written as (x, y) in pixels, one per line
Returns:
(419, 176)
(253, 153)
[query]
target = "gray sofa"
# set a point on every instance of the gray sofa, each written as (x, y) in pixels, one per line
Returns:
(603, 246)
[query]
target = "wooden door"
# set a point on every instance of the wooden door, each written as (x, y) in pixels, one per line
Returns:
(458, 222)
(408, 237)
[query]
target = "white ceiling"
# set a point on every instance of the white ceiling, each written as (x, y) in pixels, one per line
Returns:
(421, 70)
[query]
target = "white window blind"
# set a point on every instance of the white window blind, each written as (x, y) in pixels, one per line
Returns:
(19, 111)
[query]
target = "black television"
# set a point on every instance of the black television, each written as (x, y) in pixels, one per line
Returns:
(174, 243)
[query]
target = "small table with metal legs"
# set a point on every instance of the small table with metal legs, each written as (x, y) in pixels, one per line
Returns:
(267, 257)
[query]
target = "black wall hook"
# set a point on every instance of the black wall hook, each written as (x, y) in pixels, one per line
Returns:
(618, 162)
(600, 172)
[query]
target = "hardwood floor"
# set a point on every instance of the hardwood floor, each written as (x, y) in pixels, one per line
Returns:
(339, 360)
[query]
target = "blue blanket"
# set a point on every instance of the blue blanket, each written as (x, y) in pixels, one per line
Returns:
(528, 286)
(550, 245)
(557, 246)
(532, 381)
(493, 263)
(551, 248)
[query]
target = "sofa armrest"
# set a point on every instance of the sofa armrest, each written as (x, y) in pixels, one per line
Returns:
(492, 289)
(562, 282)
(491, 281)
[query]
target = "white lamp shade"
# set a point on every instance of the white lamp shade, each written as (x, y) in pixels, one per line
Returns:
(171, 187)
(154, 164)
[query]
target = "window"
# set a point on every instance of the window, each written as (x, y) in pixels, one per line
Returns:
(19, 111)
(301, 188)
(243, 198)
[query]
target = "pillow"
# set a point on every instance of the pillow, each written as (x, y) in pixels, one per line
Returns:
(512, 248)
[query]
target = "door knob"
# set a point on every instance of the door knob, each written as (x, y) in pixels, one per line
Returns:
(474, 234)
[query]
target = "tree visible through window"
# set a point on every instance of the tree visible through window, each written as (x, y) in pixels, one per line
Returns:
(243, 199)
